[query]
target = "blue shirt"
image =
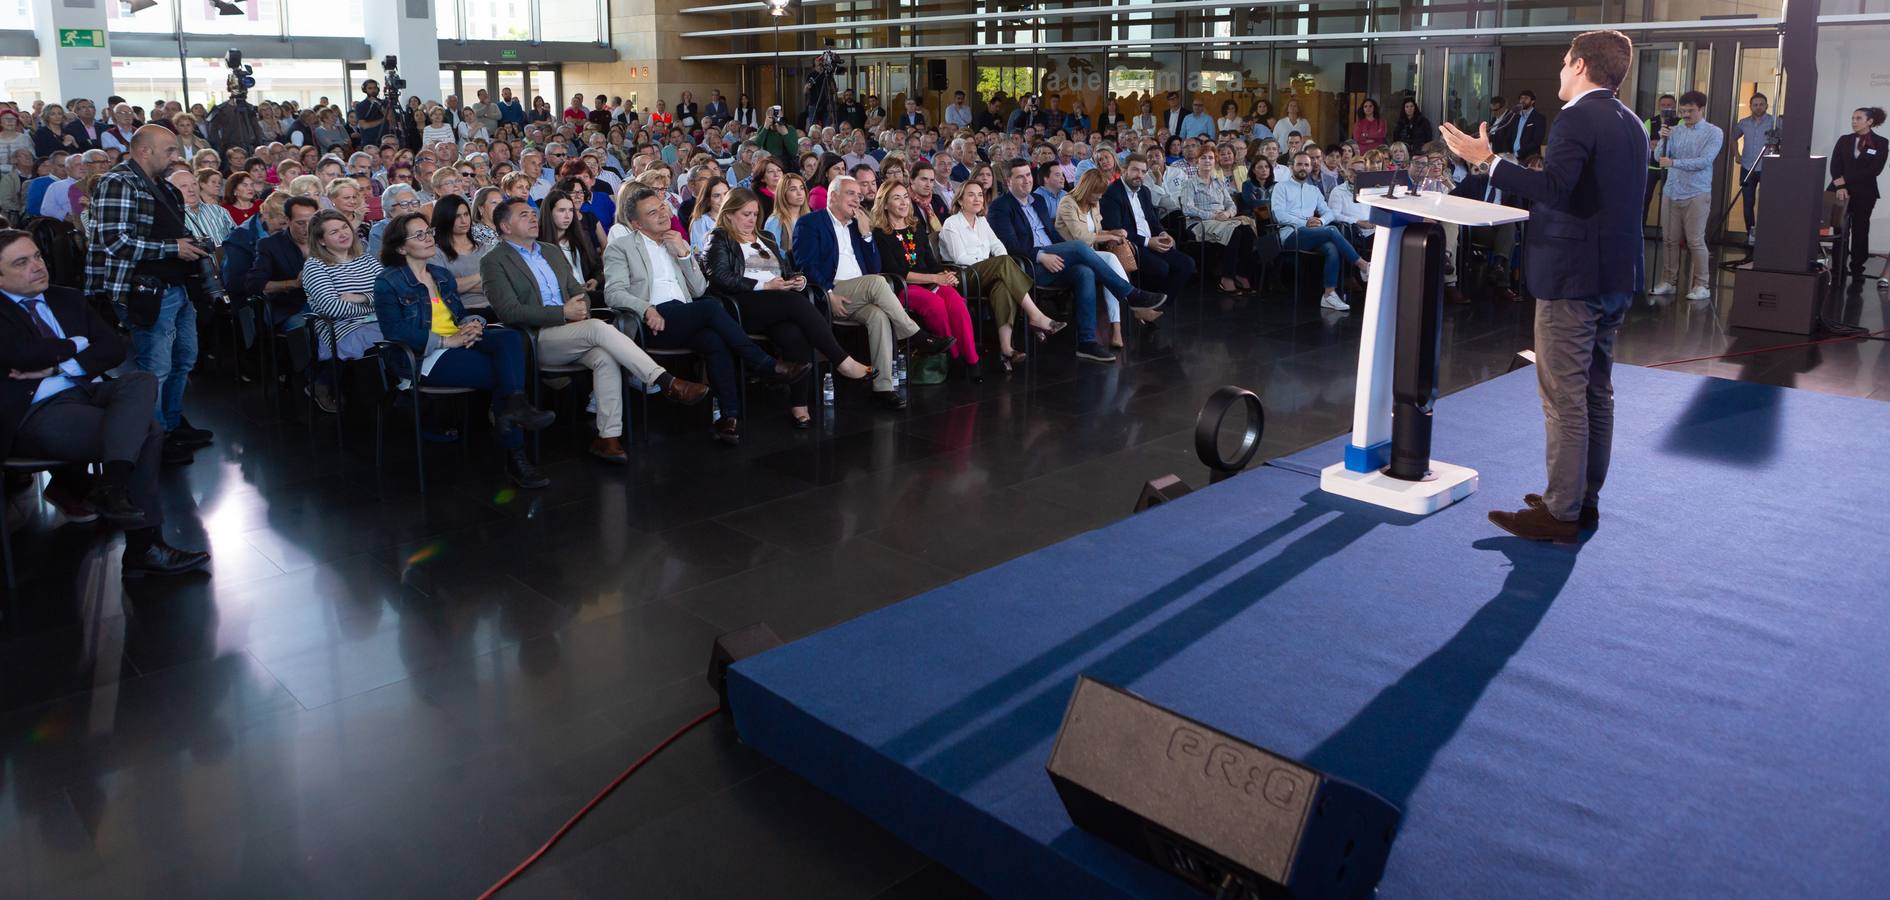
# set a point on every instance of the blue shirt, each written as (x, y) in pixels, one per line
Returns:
(1195, 125)
(548, 292)
(1692, 149)
(1522, 118)
(1038, 236)
(73, 372)
(1295, 201)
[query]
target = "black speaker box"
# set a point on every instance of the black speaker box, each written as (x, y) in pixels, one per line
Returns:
(1229, 818)
(1357, 78)
(935, 74)
(735, 646)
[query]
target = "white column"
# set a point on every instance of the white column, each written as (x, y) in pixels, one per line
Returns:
(67, 71)
(407, 29)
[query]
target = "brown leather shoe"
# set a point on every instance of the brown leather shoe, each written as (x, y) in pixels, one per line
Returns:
(728, 430)
(1453, 296)
(1590, 517)
(610, 450)
(687, 393)
(1535, 524)
(788, 372)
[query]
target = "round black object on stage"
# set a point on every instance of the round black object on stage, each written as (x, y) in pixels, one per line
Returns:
(1213, 417)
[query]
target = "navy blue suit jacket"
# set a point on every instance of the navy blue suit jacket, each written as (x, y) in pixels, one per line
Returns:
(278, 258)
(1117, 214)
(817, 255)
(1584, 232)
(1013, 227)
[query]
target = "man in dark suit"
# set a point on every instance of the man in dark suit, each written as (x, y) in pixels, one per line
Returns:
(1025, 223)
(1521, 130)
(1172, 116)
(276, 273)
(53, 405)
(1160, 262)
(84, 126)
(1584, 263)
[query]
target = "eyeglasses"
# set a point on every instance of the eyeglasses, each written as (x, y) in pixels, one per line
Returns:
(761, 251)
(406, 204)
(424, 234)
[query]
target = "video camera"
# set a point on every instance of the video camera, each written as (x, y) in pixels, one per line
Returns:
(241, 77)
(391, 82)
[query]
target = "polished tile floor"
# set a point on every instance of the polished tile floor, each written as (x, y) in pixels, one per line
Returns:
(380, 696)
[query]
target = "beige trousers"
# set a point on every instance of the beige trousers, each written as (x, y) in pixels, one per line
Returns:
(870, 302)
(597, 346)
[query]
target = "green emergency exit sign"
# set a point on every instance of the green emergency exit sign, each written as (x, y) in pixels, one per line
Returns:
(508, 55)
(81, 37)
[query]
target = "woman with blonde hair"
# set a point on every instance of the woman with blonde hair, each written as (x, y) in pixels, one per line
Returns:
(789, 206)
(1079, 218)
(931, 290)
(309, 186)
(189, 142)
(967, 240)
(344, 195)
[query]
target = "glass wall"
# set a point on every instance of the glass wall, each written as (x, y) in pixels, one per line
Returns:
(497, 20)
(323, 18)
(20, 81)
(569, 20)
(305, 81)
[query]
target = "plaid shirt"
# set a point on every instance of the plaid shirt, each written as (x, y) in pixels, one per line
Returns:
(122, 212)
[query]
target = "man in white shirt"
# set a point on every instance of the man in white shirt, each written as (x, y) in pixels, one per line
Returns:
(1301, 213)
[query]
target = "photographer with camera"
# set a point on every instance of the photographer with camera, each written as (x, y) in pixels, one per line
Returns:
(1663, 116)
(1754, 133)
(779, 138)
(141, 256)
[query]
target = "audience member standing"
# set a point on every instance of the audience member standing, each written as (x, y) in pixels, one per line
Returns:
(140, 255)
(1856, 163)
(1687, 151)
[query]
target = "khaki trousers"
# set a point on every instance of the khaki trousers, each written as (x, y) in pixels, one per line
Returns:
(1685, 220)
(871, 303)
(596, 345)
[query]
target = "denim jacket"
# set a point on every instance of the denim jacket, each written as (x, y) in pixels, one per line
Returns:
(406, 312)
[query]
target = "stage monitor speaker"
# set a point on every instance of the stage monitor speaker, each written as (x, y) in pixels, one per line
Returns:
(733, 647)
(1777, 301)
(1229, 818)
(1162, 490)
(1357, 78)
(935, 75)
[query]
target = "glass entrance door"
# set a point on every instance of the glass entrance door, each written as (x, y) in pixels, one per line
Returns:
(1469, 83)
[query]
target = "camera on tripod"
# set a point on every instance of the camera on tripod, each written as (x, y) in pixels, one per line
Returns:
(391, 82)
(241, 77)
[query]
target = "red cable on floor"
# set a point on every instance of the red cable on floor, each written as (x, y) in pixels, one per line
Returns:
(560, 833)
(1848, 337)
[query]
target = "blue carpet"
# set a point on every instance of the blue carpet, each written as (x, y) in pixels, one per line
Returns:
(1694, 702)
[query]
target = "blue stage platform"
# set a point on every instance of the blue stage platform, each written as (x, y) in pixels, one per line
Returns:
(1695, 702)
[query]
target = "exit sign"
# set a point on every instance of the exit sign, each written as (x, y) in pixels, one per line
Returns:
(508, 55)
(81, 37)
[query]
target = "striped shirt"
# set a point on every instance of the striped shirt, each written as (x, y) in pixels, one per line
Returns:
(325, 284)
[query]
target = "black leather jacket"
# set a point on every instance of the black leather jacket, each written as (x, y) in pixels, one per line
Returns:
(726, 264)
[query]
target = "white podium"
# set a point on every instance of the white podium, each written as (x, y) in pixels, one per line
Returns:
(1397, 358)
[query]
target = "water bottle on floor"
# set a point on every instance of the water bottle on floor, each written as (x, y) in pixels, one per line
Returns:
(715, 411)
(899, 369)
(826, 389)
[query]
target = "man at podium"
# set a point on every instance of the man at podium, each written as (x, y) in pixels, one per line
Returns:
(1583, 261)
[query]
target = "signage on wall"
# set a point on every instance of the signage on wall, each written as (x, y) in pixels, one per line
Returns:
(508, 55)
(637, 71)
(81, 37)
